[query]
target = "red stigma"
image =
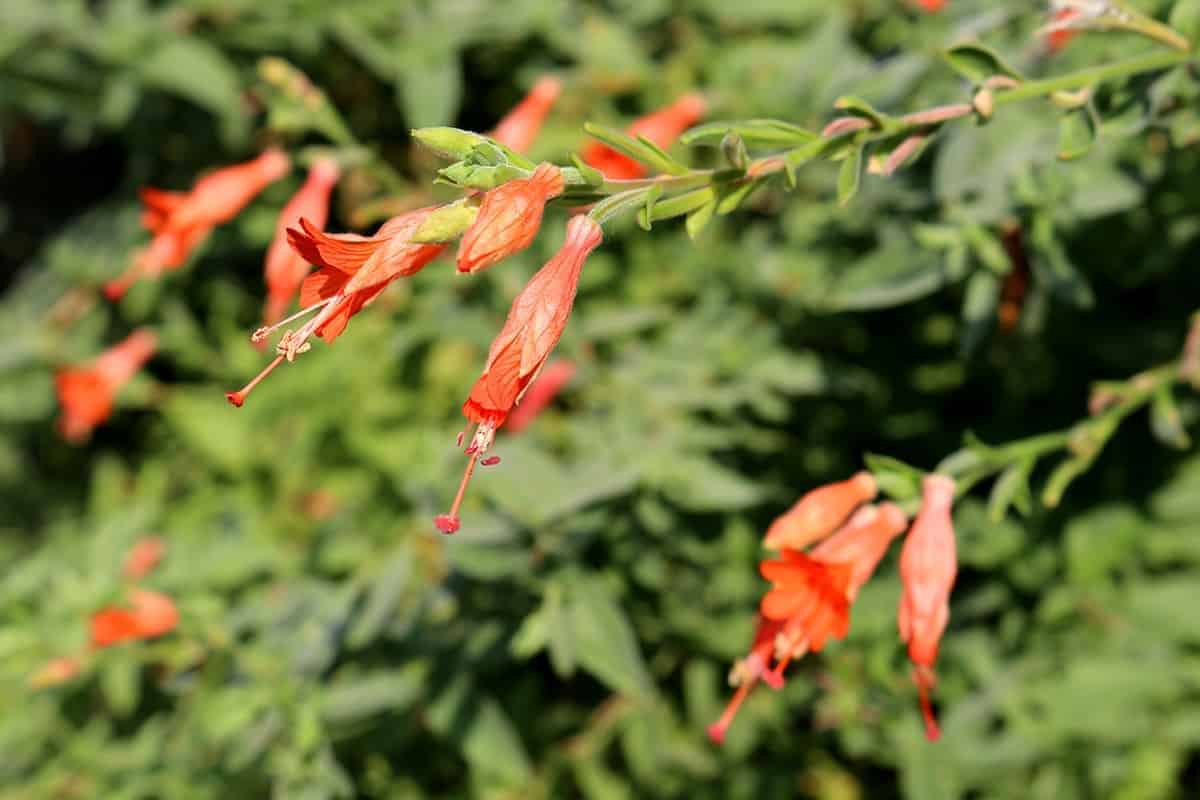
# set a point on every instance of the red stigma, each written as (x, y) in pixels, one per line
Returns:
(446, 523)
(235, 398)
(490, 461)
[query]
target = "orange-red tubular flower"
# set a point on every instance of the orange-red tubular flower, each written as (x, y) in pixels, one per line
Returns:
(862, 542)
(932, 6)
(152, 614)
(143, 557)
(535, 323)
(520, 126)
(1060, 37)
(662, 127)
(180, 220)
(928, 565)
(509, 218)
(539, 394)
(86, 394)
(354, 270)
(810, 598)
(285, 269)
(818, 513)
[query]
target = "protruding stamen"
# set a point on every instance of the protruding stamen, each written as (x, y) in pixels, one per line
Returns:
(716, 731)
(298, 343)
(459, 439)
(267, 330)
(239, 397)
(458, 497)
(490, 461)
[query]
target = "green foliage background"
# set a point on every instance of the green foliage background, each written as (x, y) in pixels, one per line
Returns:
(572, 639)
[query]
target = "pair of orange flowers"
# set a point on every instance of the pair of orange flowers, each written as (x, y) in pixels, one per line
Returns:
(812, 590)
(147, 615)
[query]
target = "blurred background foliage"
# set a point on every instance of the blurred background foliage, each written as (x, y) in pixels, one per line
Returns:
(572, 640)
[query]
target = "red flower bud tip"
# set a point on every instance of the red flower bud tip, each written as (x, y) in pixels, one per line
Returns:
(285, 269)
(509, 218)
(87, 393)
(661, 127)
(446, 523)
(818, 513)
(518, 129)
(928, 566)
(181, 220)
(1060, 32)
(540, 394)
(143, 557)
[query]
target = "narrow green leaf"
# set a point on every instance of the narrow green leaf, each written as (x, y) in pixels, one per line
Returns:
(699, 219)
(640, 148)
(755, 133)
(850, 176)
(977, 62)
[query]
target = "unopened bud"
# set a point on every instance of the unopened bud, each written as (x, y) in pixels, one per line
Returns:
(984, 103)
(1069, 101)
(446, 224)
(451, 143)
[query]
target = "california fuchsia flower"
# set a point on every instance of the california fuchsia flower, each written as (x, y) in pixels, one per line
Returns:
(932, 6)
(818, 513)
(180, 220)
(928, 565)
(151, 614)
(540, 394)
(143, 557)
(810, 599)
(662, 127)
(509, 218)
(86, 394)
(520, 126)
(354, 270)
(285, 268)
(535, 323)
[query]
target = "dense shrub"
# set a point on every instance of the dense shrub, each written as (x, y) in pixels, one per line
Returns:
(573, 638)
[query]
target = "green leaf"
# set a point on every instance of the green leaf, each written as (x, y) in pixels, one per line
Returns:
(979, 310)
(766, 133)
(1165, 420)
(1012, 489)
(896, 479)
(850, 176)
(1076, 134)
(431, 88)
(861, 108)
(195, 70)
(977, 62)
(698, 220)
(640, 149)
(477, 725)
(605, 645)
(677, 206)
